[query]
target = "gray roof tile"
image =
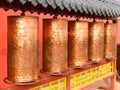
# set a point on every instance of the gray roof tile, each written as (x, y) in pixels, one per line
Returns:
(109, 8)
(59, 3)
(10, 1)
(51, 3)
(43, 3)
(34, 2)
(73, 5)
(23, 1)
(66, 4)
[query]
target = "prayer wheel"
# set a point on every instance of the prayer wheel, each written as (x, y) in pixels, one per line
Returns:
(110, 40)
(96, 41)
(22, 46)
(55, 46)
(77, 43)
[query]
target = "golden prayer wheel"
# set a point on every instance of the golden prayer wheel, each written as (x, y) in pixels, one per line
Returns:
(55, 46)
(77, 43)
(110, 40)
(96, 41)
(22, 43)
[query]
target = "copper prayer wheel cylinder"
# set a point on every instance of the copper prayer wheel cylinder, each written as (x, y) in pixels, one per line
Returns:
(96, 41)
(77, 43)
(110, 40)
(55, 46)
(22, 44)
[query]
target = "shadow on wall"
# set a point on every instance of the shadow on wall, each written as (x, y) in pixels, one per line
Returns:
(118, 60)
